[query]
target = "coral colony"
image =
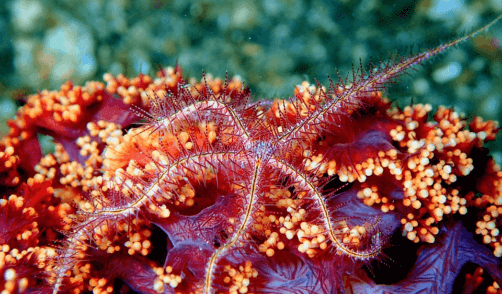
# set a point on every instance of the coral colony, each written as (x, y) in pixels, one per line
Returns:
(161, 185)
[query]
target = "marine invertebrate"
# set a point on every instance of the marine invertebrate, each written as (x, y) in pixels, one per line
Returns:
(216, 194)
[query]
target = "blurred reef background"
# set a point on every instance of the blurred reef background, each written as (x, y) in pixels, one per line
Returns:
(272, 44)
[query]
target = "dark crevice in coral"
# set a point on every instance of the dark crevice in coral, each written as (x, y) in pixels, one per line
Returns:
(460, 286)
(396, 261)
(334, 187)
(123, 288)
(161, 247)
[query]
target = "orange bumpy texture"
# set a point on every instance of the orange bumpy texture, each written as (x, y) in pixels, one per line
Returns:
(216, 194)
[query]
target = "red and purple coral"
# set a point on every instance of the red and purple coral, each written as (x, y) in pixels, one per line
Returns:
(214, 194)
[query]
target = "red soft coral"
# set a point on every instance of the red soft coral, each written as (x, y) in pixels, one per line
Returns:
(216, 194)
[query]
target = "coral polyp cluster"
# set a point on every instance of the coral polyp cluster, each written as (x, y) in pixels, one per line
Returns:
(162, 185)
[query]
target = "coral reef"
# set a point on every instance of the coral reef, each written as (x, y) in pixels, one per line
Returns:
(212, 193)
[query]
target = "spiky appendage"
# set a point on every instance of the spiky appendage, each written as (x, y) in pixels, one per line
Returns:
(256, 197)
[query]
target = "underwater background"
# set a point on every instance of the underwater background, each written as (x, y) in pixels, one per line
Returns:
(271, 44)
